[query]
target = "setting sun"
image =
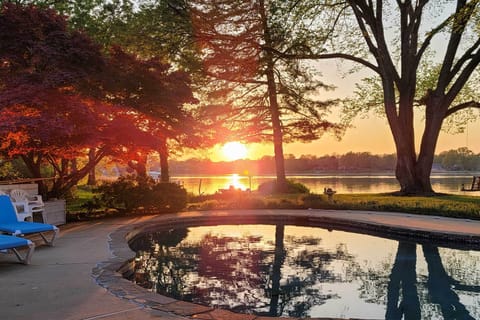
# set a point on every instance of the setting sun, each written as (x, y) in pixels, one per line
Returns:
(234, 151)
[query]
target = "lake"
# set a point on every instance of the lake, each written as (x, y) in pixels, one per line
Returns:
(447, 183)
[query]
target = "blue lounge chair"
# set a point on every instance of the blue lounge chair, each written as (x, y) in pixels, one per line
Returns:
(9, 223)
(9, 243)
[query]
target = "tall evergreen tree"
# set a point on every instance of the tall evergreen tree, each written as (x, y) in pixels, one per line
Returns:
(261, 96)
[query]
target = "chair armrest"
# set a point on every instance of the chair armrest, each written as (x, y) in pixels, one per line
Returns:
(35, 202)
(35, 198)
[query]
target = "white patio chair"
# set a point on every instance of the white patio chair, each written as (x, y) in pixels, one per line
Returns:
(29, 204)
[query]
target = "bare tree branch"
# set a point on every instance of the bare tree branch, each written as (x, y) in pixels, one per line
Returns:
(462, 106)
(324, 56)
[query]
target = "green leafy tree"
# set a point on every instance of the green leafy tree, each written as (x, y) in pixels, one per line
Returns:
(392, 39)
(104, 21)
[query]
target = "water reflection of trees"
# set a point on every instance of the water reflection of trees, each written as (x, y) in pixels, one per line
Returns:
(431, 296)
(286, 276)
(245, 273)
(299, 268)
(402, 296)
(441, 286)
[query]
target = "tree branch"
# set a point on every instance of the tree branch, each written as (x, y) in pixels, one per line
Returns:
(360, 16)
(463, 77)
(462, 14)
(233, 79)
(467, 55)
(366, 16)
(462, 106)
(324, 56)
(430, 36)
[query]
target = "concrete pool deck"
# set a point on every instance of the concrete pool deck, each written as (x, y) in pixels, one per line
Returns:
(76, 279)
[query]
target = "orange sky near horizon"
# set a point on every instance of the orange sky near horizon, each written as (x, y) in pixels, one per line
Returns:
(369, 135)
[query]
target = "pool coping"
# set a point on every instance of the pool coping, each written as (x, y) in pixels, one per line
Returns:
(109, 274)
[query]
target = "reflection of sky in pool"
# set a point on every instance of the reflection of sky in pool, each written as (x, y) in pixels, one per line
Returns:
(309, 272)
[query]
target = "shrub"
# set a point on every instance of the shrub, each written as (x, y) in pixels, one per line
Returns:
(129, 193)
(167, 197)
(270, 187)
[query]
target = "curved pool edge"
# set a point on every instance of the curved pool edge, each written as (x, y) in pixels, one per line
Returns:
(455, 233)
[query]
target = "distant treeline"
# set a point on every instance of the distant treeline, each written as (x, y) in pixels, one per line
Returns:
(462, 159)
(452, 160)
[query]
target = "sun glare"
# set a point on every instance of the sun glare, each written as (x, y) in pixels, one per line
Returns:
(234, 151)
(235, 182)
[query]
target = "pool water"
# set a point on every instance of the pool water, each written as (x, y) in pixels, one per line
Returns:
(295, 271)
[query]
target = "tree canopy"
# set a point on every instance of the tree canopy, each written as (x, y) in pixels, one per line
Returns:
(152, 89)
(394, 39)
(52, 80)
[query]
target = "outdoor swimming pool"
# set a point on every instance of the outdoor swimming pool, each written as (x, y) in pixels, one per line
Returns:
(298, 271)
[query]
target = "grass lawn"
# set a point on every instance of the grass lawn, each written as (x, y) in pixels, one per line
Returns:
(457, 206)
(83, 194)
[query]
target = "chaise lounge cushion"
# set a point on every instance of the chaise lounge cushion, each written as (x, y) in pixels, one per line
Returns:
(9, 242)
(23, 227)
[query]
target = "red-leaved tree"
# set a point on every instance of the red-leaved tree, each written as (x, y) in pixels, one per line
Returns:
(47, 112)
(152, 89)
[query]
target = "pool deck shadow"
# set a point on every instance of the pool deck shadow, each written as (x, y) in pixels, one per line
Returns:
(79, 278)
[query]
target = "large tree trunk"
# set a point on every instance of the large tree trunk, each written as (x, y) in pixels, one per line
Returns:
(401, 122)
(92, 179)
(33, 164)
(277, 141)
(274, 108)
(435, 113)
(412, 172)
(164, 169)
(405, 170)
